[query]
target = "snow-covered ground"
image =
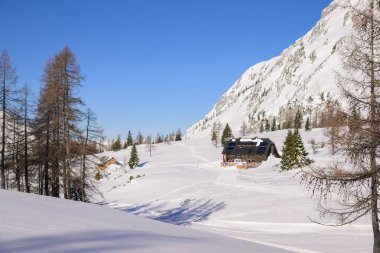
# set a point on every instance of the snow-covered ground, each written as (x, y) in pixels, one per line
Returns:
(36, 224)
(186, 194)
(184, 184)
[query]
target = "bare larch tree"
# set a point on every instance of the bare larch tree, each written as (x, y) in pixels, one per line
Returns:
(356, 177)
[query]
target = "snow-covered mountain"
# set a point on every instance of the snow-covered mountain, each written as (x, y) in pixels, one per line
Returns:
(297, 77)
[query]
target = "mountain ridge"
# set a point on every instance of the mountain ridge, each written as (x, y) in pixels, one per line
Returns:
(298, 77)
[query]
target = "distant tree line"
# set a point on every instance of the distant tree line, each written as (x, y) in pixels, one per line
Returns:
(140, 139)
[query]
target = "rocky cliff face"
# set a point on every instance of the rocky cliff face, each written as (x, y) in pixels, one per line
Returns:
(298, 77)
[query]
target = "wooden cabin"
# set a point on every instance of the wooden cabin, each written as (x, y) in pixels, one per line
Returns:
(104, 162)
(249, 150)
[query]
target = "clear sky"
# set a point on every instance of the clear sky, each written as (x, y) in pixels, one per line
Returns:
(152, 65)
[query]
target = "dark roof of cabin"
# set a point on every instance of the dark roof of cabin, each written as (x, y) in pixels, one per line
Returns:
(241, 146)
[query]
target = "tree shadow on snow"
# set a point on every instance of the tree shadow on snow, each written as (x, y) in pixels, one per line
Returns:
(186, 213)
(142, 164)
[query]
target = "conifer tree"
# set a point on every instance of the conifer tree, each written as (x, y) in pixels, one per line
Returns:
(226, 135)
(134, 159)
(307, 124)
(178, 135)
(129, 139)
(261, 128)
(300, 155)
(294, 155)
(117, 144)
(298, 120)
(288, 151)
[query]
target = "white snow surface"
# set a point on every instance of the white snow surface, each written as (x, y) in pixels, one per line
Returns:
(298, 76)
(36, 224)
(184, 184)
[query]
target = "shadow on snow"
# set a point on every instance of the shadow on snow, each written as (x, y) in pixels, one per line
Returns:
(186, 213)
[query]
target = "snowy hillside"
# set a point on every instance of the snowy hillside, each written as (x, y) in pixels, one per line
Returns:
(297, 77)
(31, 223)
(184, 184)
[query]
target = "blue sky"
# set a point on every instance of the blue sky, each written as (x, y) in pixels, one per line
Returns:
(152, 65)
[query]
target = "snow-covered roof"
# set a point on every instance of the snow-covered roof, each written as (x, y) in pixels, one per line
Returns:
(246, 140)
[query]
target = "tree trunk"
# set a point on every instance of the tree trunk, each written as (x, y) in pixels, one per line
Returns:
(2, 171)
(26, 158)
(84, 159)
(373, 164)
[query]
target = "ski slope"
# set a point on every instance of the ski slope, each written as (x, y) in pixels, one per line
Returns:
(184, 184)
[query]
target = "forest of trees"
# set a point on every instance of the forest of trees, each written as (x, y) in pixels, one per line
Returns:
(47, 144)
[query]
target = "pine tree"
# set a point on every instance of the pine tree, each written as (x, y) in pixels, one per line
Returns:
(288, 151)
(178, 135)
(261, 128)
(298, 120)
(274, 124)
(134, 159)
(117, 144)
(300, 155)
(129, 139)
(226, 135)
(294, 155)
(307, 124)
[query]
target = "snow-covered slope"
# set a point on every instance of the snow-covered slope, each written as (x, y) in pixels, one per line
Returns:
(31, 223)
(184, 184)
(297, 77)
